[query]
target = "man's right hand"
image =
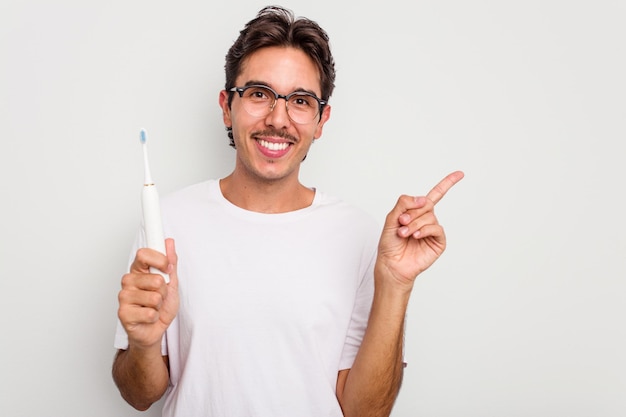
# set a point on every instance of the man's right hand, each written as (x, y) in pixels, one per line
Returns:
(147, 304)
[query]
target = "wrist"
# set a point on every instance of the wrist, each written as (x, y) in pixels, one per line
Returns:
(391, 284)
(145, 351)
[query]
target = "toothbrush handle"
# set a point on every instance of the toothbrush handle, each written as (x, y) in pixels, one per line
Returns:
(153, 224)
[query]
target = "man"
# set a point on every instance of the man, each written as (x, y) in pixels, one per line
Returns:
(286, 301)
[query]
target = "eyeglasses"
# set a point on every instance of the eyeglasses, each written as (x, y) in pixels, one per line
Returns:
(259, 101)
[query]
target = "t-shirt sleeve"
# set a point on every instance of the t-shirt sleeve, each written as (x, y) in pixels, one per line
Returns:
(360, 316)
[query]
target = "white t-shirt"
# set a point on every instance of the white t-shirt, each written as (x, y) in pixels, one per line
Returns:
(272, 306)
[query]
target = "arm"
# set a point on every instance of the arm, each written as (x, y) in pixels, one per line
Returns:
(147, 307)
(141, 376)
(411, 241)
(370, 387)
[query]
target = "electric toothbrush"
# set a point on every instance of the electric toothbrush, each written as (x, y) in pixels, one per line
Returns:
(153, 225)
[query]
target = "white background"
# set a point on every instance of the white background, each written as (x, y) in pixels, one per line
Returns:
(522, 316)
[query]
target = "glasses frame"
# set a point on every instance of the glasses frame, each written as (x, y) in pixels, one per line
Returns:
(321, 103)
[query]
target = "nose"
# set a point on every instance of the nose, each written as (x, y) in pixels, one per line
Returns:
(278, 116)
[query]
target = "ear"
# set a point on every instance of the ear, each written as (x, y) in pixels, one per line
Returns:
(223, 101)
(323, 119)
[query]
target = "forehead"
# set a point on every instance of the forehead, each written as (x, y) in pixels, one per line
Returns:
(285, 69)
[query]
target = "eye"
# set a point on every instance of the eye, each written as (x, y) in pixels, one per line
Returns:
(257, 94)
(302, 101)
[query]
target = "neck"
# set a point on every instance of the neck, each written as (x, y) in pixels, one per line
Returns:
(266, 196)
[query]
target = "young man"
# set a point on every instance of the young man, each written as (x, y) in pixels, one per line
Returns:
(286, 301)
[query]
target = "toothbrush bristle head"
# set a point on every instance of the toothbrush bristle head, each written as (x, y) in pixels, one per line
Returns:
(143, 136)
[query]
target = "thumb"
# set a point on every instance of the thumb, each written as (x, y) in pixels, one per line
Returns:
(404, 204)
(172, 257)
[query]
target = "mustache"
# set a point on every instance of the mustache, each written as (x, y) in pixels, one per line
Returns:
(276, 133)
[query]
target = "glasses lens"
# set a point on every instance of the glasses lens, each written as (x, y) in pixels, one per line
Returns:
(258, 101)
(301, 107)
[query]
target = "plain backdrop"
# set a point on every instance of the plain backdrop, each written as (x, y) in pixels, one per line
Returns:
(522, 316)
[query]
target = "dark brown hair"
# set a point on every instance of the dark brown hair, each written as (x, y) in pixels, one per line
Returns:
(277, 26)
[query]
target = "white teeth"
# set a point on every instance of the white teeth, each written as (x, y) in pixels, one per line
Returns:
(274, 146)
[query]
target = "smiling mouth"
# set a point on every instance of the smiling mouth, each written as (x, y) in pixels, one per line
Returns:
(273, 146)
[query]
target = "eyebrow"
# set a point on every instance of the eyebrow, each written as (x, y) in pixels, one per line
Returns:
(263, 83)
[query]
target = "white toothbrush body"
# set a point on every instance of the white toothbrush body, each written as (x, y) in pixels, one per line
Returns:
(151, 206)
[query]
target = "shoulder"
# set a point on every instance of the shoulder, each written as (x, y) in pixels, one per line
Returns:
(190, 195)
(193, 191)
(189, 200)
(343, 209)
(335, 204)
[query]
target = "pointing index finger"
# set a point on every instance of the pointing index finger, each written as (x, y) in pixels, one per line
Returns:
(444, 185)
